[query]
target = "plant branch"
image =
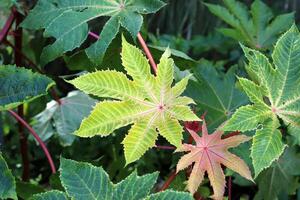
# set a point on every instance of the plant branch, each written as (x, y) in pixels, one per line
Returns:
(18, 61)
(7, 26)
(229, 188)
(147, 52)
(36, 136)
(168, 181)
(94, 35)
(165, 147)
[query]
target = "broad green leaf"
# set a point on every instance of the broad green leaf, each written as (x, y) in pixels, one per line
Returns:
(144, 101)
(170, 195)
(280, 177)
(63, 119)
(7, 181)
(215, 93)
(275, 94)
(20, 85)
(67, 21)
(258, 31)
(26, 190)
(85, 181)
(51, 195)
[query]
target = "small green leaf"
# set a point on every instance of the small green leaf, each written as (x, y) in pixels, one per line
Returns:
(27, 190)
(7, 181)
(20, 85)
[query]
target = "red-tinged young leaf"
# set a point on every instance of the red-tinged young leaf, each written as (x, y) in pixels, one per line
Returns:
(207, 155)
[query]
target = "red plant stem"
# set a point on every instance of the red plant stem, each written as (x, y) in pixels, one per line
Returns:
(147, 52)
(7, 26)
(164, 147)
(18, 62)
(36, 136)
(169, 181)
(231, 134)
(94, 35)
(229, 187)
(24, 56)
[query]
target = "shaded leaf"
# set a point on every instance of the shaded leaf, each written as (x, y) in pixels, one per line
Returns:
(63, 119)
(7, 181)
(20, 85)
(67, 21)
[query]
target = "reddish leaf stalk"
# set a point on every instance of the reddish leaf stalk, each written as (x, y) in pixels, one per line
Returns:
(165, 147)
(7, 26)
(36, 136)
(169, 181)
(94, 35)
(229, 188)
(18, 62)
(147, 52)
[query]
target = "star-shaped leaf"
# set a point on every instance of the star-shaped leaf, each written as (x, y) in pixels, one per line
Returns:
(207, 155)
(258, 31)
(275, 93)
(67, 21)
(148, 102)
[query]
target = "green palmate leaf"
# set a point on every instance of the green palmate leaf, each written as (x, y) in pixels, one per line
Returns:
(51, 195)
(19, 85)
(215, 93)
(63, 119)
(67, 21)
(7, 181)
(280, 177)
(258, 31)
(84, 181)
(146, 102)
(275, 94)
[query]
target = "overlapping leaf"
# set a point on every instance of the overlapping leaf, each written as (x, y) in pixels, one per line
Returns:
(7, 181)
(207, 155)
(215, 93)
(276, 94)
(280, 177)
(20, 85)
(65, 118)
(67, 21)
(147, 102)
(259, 31)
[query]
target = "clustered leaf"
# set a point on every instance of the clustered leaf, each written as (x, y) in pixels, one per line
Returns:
(63, 119)
(19, 85)
(85, 181)
(148, 102)
(258, 31)
(67, 21)
(274, 93)
(207, 155)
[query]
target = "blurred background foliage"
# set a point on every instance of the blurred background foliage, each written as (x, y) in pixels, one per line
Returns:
(191, 31)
